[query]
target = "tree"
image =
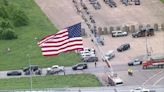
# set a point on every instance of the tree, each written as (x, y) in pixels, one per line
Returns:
(20, 18)
(3, 12)
(6, 3)
(8, 34)
(4, 24)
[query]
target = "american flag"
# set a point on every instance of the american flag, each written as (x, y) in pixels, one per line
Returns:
(66, 40)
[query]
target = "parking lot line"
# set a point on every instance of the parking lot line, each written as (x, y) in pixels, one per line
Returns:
(151, 77)
(158, 81)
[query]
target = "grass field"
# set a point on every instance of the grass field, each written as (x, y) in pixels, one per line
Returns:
(162, 1)
(79, 80)
(39, 27)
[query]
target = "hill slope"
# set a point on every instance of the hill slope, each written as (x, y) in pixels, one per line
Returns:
(39, 27)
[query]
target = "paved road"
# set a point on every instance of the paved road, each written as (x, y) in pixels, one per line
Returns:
(96, 89)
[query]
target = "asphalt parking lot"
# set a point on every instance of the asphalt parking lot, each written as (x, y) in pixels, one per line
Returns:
(149, 12)
(137, 50)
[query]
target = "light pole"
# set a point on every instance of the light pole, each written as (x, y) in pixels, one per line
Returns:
(29, 62)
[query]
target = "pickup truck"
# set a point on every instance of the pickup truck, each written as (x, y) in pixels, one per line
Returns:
(119, 33)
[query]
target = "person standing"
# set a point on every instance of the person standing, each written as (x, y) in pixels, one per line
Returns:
(95, 64)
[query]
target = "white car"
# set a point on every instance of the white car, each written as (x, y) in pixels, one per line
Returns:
(140, 89)
(109, 55)
(55, 69)
(119, 33)
(84, 55)
(135, 62)
(89, 50)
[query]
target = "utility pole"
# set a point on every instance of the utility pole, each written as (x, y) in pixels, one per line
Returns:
(29, 62)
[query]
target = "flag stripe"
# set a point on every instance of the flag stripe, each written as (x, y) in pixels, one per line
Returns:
(57, 44)
(52, 49)
(59, 34)
(63, 50)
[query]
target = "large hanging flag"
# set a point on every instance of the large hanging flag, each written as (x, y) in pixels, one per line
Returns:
(66, 40)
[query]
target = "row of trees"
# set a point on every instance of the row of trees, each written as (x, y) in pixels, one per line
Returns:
(11, 16)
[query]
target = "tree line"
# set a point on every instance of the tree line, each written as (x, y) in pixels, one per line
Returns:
(11, 17)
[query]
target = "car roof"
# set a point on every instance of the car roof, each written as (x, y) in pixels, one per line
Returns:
(117, 31)
(110, 52)
(55, 66)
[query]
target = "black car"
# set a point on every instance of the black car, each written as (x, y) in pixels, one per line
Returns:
(90, 59)
(123, 47)
(143, 32)
(80, 66)
(32, 67)
(14, 73)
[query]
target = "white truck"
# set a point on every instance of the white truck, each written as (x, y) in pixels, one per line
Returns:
(119, 33)
(109, 55)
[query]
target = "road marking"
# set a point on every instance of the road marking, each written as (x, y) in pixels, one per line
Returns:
(151, 77)
(158, 81)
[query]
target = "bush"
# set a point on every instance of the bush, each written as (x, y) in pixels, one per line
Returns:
(8, 34)
(3, 12)
(4, 24)
(20, 18)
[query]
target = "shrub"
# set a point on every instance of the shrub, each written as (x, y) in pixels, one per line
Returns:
(4, 24)
(6, 3)
(3, 12)
(8, 34)
(20, 18)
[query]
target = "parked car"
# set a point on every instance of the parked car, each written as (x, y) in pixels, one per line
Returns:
(32, 67)
(139, 89)
(90, 59)
(84, 55)
(109, 55)
(119, 33)
(123, 47)
(143, 32)
(14, 73)
(55, 69)
(135, 62)
(37, 72)
(80, 66)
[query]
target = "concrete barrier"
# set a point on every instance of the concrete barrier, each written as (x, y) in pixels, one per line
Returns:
(162, 26)
(156, 27)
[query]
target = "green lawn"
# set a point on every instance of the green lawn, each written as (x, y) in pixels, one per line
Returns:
(39, 27)
(79, 80)
(162, 1)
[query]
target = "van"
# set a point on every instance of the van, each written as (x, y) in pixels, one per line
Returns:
(109, 55)
(114, 80)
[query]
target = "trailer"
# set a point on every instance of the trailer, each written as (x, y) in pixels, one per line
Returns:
(153, 63)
